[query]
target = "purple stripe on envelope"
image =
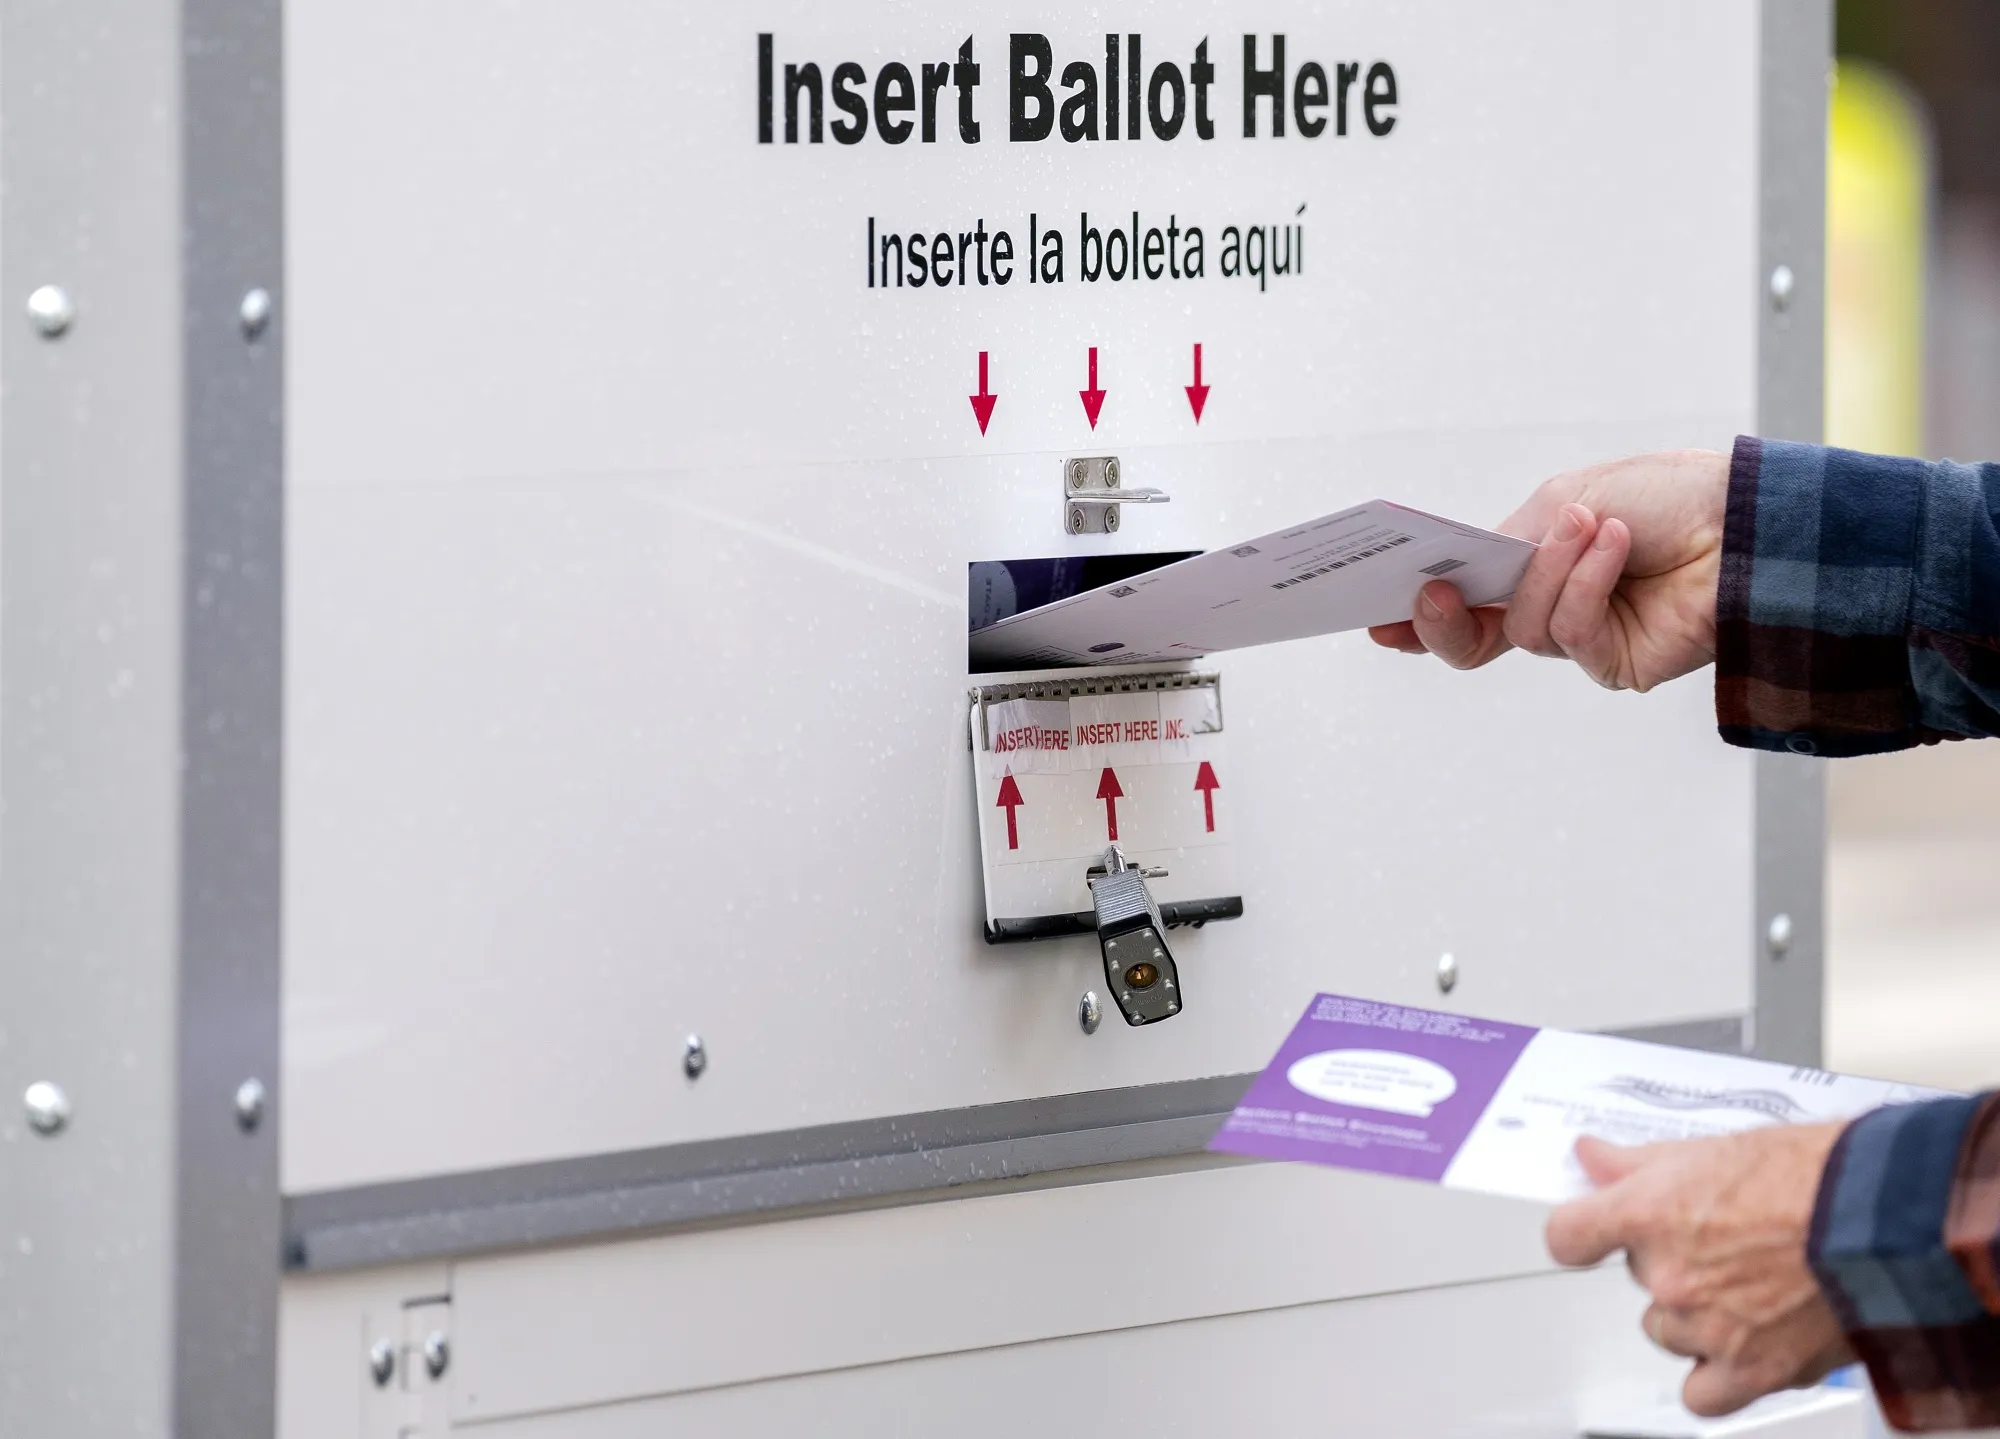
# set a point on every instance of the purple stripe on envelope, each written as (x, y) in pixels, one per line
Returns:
(1372, 1086)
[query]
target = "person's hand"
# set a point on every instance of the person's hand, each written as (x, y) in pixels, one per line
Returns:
(1715, 1229)
(1624, 581)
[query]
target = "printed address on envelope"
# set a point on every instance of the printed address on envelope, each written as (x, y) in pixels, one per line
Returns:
(1497, 1108)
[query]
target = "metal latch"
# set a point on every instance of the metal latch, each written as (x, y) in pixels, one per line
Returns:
(1139, 967)
(1092, 494)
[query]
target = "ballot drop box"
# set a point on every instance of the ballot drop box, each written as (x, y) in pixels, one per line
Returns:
(526, 912)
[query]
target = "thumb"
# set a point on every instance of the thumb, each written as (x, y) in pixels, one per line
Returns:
(1607, 1163)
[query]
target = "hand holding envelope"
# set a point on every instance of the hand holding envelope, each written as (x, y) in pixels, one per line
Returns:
(1716, 1230)
(1709, 1193)
(1624, 582)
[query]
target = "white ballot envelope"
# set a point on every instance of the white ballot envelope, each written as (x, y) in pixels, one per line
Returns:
(1497, 1108)
(1345, 571)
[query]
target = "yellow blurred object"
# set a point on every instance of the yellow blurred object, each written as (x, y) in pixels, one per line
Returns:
(1877, 235)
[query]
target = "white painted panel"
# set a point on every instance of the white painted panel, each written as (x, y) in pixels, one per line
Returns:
(1527, 1358)
(699, 1310)
(626, 577)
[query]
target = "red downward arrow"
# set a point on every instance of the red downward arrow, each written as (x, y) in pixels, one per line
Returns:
(982, 406)
(1010, 800)
(1110, 793)
(1197, 397)
(1093, 401)
(1204, 779)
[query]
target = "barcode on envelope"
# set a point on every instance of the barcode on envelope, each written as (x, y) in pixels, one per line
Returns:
(1443, 567)
(1344, 562)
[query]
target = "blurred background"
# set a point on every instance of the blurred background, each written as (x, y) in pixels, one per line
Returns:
(1913, 367)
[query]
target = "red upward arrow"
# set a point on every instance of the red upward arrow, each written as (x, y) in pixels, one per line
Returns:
(982, 405)
(1204, 779)
(1010, 800)
(1197, 397)
(1110, 793)
(1093, 401)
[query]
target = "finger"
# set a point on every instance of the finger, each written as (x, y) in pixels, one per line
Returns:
(1566, 542)
(1607, 1163)
(1463, 638)
(1635, 1265)
(1716, 1387)
(1588, 1230)
(1672, 1330)
(1401, 636)
(1581, 622)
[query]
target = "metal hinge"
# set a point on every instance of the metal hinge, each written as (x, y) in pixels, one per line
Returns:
(404, 1370)
(1092, 493)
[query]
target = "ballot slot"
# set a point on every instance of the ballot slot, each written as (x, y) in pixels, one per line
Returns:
(1359, 566)
(997, 590)
(1103, 807)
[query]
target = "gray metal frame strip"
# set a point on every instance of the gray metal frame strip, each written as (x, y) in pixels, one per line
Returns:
(1796, 45)
(141, 569)
(879, 1159)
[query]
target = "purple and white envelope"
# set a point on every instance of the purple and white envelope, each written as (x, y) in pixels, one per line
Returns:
(1497, 1108)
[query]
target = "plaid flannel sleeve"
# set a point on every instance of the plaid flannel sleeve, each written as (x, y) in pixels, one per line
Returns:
(1905, 1243)
(1858, 608)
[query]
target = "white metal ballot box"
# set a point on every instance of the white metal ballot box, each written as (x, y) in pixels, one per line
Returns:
(541, 920)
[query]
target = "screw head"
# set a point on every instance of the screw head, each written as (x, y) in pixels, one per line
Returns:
(1778, 937)
(47, 1106)
(1783, 282)
(1078, 473)
(1111, 473)
(694, 1058)
(437, 1353)
(52, 310)
(1076, 519)
(250, 1100)
(254, 313)
(1089, 1012)
(1447, 973)
(1111, 517)
(382, 1362)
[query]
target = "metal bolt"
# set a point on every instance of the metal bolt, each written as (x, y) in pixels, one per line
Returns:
(382, 1362)
(1111, 473)
(1089, 1012)
(48, 1107)
(1778, 937)
(695, 1058)
(255, 312)
(1447, 973)
(52, 310)
(1078, 473)
(1111, 517)
(1782, 284)
(1076, 519)
(250, 1099)
(437, 1353)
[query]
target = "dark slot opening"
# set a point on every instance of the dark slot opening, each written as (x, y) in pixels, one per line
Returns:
(996, 589)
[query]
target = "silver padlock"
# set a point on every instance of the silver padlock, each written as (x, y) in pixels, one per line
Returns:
(1139, 965)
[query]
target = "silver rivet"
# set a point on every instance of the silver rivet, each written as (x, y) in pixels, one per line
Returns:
(47, 1106)
(694, 1059)
(1447, 973)
(1111, 473)
(437, 1353)
(1089, 1012)
(1078, 473)
(52, 310)
(1778, 937)
(250, 1104)
(1110, 517)
(254, 312)
(1076, 519)
(1782, 284)
(382, 1362)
